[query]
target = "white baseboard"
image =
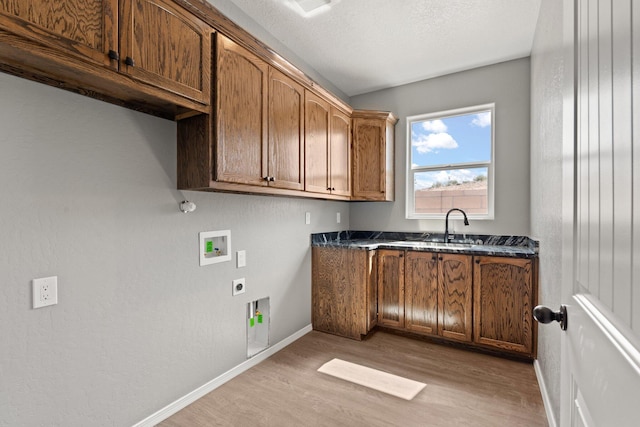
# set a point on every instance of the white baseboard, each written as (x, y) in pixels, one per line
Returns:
(546, 400)
(196, 394)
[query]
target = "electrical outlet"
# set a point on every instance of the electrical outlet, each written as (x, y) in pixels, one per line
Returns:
(239, 287)
(45, 291)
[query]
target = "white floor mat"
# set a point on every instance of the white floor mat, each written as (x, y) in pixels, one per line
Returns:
(372, 378)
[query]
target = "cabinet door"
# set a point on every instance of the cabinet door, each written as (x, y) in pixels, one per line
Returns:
(339, 153)
(503, 289)
(455, 304)
(165, 46)
(86, 29)
(316, 143)
(286, 132)
(339, 281)
(391, 288)
(241, 103)
(421, 292)
(369, 172)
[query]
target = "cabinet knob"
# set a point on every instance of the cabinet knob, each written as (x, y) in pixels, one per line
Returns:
(113, 55)
(333, 188)
(440, 258)
(129, 61)
(477, 261)
(272, 179)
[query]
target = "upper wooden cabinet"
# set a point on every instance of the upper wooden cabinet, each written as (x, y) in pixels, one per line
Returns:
(327, 146)
(93, 47)
(340, 153)
(165, 46)
(505, 294)
(286, 132)
(264, 128)
(373, 155)
(317, 119)
(83, 29)
(259, 121)
(241, 115)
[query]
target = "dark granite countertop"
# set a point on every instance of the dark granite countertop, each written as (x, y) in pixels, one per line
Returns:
(472, 244)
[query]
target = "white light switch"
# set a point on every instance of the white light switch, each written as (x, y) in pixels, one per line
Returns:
(307, 218)
(241, 257)
(338, 217)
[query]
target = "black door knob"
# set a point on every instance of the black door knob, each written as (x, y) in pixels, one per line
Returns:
(545, 315)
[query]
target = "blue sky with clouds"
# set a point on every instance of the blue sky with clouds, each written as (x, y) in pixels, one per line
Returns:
(458, 139)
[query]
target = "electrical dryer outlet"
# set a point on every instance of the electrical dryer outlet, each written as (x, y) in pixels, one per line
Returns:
(239, 287)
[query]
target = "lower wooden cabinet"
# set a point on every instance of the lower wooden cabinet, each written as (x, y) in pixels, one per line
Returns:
(454, 296)
(437, 299)
(344, 291)
(505, 292)
(421, 292)
(481, 301)
(391, 304)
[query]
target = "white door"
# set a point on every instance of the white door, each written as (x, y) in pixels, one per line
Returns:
(601, 216)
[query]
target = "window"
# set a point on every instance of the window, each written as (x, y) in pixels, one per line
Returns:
(450, 163)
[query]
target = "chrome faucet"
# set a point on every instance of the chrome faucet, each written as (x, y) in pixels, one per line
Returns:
(446, 223)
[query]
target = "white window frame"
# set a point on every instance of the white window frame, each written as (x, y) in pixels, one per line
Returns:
(490, 165)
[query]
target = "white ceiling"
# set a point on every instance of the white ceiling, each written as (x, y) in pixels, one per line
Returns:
(365, 45)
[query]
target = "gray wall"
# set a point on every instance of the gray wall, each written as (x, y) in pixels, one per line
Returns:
(88, 194)
(547, 68)
(506, 84)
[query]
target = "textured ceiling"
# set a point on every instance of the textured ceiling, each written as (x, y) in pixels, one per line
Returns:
(365, 45)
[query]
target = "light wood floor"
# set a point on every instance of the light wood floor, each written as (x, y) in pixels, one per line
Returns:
(463, 388)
